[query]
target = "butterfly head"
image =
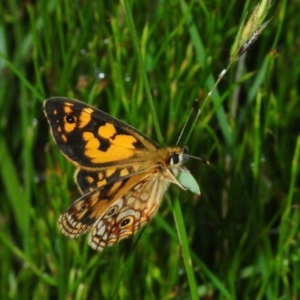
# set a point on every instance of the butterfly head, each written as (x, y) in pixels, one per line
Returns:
(178, 156)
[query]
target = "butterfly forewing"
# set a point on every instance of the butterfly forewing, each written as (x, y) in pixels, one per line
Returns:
(91, 138)
(88, 180)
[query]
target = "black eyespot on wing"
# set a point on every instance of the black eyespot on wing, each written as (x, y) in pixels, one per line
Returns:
(70, 119)
(112, 211)
(126, 221)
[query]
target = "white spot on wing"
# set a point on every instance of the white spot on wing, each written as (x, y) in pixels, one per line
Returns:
(112, 236)
(104, 237)
(137, 187)
(144, 197)
(130, 200)
(102, 229)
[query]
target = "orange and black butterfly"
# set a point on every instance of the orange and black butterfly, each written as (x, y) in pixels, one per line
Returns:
(121, 173)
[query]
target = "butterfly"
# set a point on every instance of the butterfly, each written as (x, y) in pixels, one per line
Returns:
(121, 173)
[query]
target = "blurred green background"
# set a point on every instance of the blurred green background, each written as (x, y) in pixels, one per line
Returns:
(242, 232)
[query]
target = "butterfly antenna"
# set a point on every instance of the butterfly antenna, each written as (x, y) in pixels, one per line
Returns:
(195, 104)
(203, 160)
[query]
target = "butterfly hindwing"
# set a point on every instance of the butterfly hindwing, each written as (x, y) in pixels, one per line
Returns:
(115, 211)
(129, 212)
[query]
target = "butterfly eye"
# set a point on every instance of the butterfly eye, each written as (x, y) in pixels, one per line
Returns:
(126, 221)
(174, 159)
(70, 119)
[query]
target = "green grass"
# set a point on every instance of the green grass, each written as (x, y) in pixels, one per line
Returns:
(240, 238)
